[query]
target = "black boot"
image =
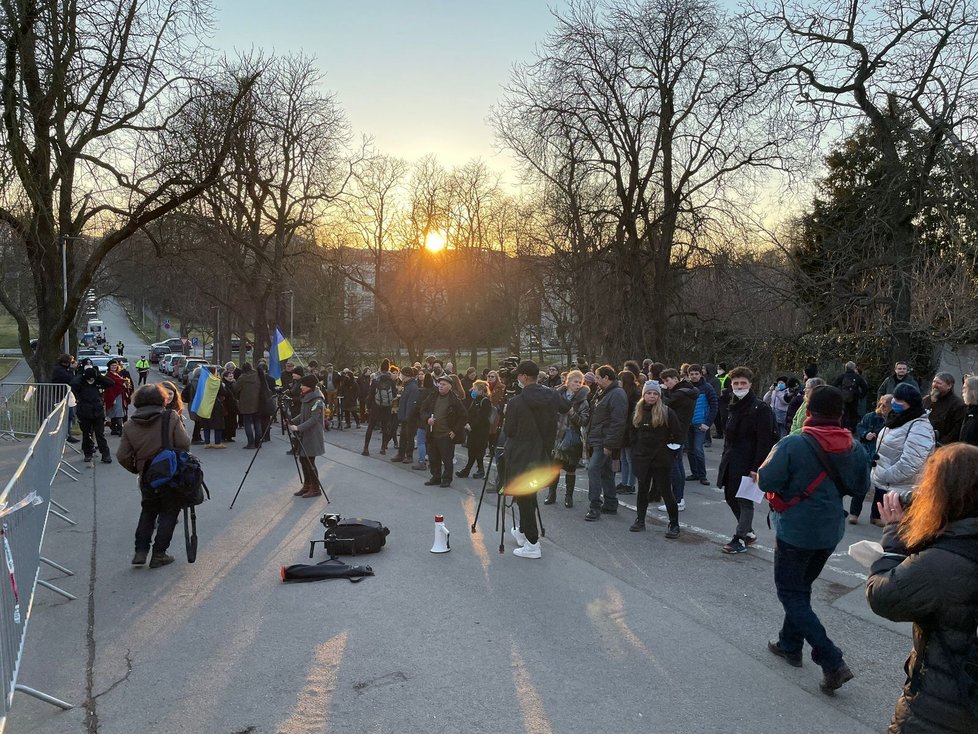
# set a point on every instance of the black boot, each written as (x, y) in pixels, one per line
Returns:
(569, 481)
(552, 492)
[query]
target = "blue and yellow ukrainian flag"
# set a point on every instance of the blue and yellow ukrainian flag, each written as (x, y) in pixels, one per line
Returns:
(281, 350)
(208, 386)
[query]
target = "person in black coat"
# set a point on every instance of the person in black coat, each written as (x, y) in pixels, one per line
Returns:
(444, 415)
(969, 426)
(477, 425)
(929, 576)
(656, 438)
(63, 374)
(748, 438)
(530, 428)
(90, 409)
(681, 396)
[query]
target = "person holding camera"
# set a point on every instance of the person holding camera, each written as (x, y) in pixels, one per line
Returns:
(805, 478)
(90, 410)
(928, 575)
(569, 443)
(309, 434)
(142, 440)
(530, 429)
(905, 442)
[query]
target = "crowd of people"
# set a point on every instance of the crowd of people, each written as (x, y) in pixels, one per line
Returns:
(815, 450)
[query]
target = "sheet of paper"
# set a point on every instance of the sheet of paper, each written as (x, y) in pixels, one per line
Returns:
(750, 491)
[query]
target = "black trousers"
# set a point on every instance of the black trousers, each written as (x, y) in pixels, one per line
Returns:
(93, 432)
(406, 445)
(162, 522)
(142, 377)
(477, 451)
(441, 451)
(379, 417)
(528, 517)
(654, 483)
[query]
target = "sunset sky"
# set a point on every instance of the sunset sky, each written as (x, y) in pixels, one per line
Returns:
(417, 75)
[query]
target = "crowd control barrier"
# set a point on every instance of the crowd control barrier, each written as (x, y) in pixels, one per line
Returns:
(40, 411)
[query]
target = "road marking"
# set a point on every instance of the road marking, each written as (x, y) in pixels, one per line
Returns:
(311, 712)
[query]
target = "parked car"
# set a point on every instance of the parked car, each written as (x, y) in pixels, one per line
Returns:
(188, 368)
(177, 361)
(175, 344)
(88, 352)
(165, 360)
(103, 360)
(156, 352)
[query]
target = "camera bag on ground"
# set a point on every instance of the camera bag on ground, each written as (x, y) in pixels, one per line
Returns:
(172, 476)
(352, 537)
(331, 569)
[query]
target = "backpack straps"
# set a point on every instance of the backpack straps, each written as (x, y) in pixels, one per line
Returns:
(829, 467)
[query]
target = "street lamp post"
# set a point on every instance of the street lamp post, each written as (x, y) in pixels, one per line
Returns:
(217, 334)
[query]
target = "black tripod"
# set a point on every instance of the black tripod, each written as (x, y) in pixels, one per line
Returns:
(501, 480)
(296, 450)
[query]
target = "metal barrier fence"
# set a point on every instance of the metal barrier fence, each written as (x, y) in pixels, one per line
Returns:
(24, 505)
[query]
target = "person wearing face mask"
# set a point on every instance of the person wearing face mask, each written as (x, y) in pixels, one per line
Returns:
(947, 410)
(657, 437)
(904, 444)
(569, 442)
(477, 426)
(90, 411)
(777, 398)
(867, 432)
(530, 429)
(115, 397)
(750, 434)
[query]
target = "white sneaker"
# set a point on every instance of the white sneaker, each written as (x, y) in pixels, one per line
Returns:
(682, 506)
(530, 550)
(519, 538)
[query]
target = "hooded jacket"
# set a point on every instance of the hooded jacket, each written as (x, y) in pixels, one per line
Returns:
(608, 418)
(312, 434)
(937, 590)
(901, 451)
(142, 437)
(89, 396)
(682, 399)
(531, 428)
(818, 521)
(247, 389)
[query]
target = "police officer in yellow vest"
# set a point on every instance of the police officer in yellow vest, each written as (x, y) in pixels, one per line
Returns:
(142, 366)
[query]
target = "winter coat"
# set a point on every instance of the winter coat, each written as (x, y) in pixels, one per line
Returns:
(142, 437)
(682, 399)
(216, 420)
(937, 590)
(633, 398)
(608, 418)
(89, 403)
(383, 382)
(115, 390)
(649, 450)
(900, 454)
(363, 385)
(969, 428)
(577, 417)
(531, 427)
(792, 466)
(747, 439)
(889, 384)
(349, 391)
(778, 400)
(408, 403)
(870, 423)
(455, 423)
(946, 415)
(799, 418)
(795, 399)
(247, 389)
(311, 433)
(706, 406)
(477, 418)
(61, 375)
(860, 388)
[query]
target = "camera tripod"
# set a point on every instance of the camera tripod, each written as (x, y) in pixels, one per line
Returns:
(501, 504)
(297, 450)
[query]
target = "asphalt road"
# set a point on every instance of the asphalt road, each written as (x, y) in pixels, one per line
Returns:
(609, 631)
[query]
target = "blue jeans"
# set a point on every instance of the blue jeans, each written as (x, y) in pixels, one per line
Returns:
(252, 428)
(627, 473)
(678, 477)
(795, 570)
(695, 439)
(420, 438)
(218, 435)
(601, 480)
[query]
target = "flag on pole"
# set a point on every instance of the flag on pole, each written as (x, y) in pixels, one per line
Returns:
(208, 386)
(281, 350)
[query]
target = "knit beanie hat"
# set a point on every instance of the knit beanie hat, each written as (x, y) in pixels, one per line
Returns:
(827, 402)
(408, 371)
(297, 370)
(309, 381)
(651, 386)
(909, 394)
(589, 377)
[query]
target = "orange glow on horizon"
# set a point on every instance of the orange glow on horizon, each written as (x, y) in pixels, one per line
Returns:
(435, 240)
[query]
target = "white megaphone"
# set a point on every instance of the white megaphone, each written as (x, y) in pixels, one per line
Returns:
(441, 536)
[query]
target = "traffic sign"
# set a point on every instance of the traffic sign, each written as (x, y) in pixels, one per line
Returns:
(195, 341)
(166, 324)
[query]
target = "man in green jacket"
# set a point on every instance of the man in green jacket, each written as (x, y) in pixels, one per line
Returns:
(802, 478)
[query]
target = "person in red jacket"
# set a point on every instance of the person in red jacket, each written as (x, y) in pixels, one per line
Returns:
(115, 398)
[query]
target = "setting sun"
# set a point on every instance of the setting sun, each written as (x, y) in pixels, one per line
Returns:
(435, 240)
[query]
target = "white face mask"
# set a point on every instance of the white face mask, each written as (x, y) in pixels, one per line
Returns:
(741, 393)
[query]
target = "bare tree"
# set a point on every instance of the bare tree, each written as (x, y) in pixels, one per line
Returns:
(95, 140)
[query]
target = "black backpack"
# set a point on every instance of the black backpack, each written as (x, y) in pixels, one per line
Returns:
(850, 388)
(352, 537)
(174, 477)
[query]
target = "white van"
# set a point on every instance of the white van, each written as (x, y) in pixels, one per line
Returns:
(95, 326)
